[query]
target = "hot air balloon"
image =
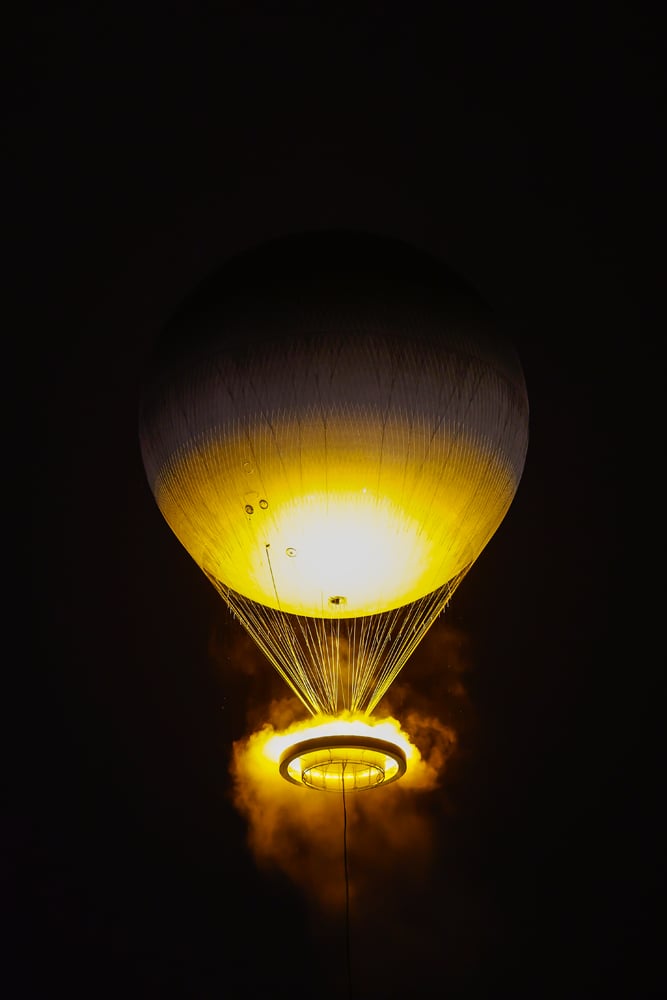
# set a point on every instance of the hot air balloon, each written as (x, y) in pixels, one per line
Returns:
(334, 426)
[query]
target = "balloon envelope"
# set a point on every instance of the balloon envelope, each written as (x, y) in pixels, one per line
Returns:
(334, 427)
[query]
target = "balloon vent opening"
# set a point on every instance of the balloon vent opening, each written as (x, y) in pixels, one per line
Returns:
(337, 763)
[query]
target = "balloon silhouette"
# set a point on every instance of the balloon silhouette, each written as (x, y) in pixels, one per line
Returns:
(334, 426)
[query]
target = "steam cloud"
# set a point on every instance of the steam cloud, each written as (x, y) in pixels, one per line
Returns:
(299, 832)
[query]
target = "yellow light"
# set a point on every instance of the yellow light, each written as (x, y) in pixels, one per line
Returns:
(338, 548)
(332, 764)
(341, 753)
(334, 431)
(345, 550)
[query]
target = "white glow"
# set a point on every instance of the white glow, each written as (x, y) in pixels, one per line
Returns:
(344, 553)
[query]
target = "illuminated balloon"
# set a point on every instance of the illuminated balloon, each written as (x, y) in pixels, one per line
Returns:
(334, 427)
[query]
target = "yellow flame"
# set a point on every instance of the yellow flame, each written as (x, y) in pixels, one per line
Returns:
(347, 724)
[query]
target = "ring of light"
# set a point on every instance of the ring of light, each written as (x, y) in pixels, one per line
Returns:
(331, 763)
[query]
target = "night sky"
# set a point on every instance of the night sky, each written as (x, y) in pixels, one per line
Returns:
(143, 150)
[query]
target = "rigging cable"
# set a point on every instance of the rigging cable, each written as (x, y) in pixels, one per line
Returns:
(347, 893)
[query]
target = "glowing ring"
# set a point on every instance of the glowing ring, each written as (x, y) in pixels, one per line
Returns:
(326, 763)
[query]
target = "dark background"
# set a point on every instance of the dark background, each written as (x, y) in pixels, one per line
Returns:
(525, 151)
